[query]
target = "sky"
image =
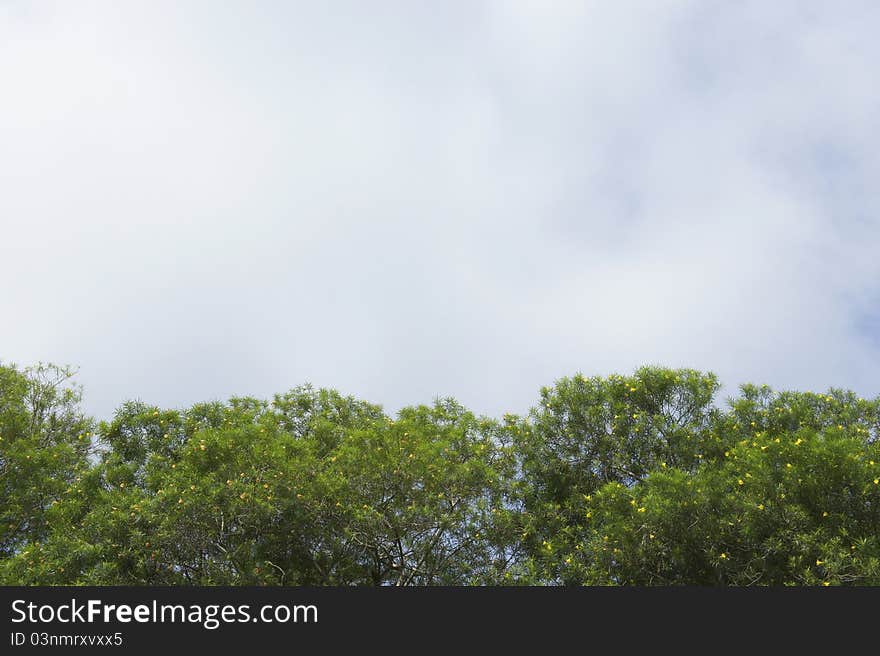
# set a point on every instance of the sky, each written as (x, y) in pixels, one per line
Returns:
(412, 200)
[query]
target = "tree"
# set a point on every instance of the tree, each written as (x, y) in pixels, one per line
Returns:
(220, 493)
(798, 508)
(636, 480)
(589, 432)
(45, 441)
(421, 499)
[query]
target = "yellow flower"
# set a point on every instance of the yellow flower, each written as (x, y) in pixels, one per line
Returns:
(632, 502)
(651, 535)
(760, 506)
(826, 583)
(740, 481)
(642, 509)
(877, 481)
(825, 513)
(589, 514)
(819, 562)
(723, 556)
(788, 464)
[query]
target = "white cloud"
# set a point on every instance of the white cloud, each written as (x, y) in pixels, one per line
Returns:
(461, 199)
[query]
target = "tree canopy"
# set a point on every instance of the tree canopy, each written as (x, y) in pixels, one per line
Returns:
(644, 479)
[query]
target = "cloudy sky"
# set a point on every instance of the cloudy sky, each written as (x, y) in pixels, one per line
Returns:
(406, 200)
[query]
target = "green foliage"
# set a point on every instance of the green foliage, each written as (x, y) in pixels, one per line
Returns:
(419, 498)
(44, 444)
(799, 508)
(622, 480)
(589, 432)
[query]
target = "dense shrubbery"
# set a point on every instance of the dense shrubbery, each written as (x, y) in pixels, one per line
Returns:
(637, 479)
